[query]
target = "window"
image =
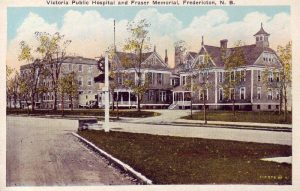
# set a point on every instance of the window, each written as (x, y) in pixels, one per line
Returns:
(90, 82)
(80, 81)
(183, 80)
(150, 77)
(258, 75)
(70, 67)
(120, 79)
(242, 93)
(258, 106)
(258, 92)
(89, 92)
(277, 94)
(203, 94)
(162, 96)
(232, 76)
(159, 78)
(221, 76)
(80, 68)
(151, 95)
(220, 94)
(270, 77)
(90, 68)
(80, 92)
(277, 106)
(269, 107)
(243, 75)
(270, 94)
(277, 76)
(232, 94)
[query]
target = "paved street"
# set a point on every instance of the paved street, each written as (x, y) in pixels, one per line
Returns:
(42, 152)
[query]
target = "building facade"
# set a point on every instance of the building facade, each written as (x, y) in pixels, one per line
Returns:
(250, 93)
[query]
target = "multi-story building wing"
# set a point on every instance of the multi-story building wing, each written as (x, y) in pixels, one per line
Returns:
(251, 93)
(84, 70)
(155, 72)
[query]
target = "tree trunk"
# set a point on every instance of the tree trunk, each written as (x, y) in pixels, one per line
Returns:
(139, 102)
(113, 100)
(55, 100)
(62, 104)
(117, 106)
(191, 109)
(285, 105)
(204, 104)
(71, 103)
(32, 102)
(280, 101)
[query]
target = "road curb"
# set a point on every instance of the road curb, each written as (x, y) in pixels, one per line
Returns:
(119, 163)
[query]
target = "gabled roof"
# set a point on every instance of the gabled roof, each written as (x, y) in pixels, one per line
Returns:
(251, 53)
(123, 57)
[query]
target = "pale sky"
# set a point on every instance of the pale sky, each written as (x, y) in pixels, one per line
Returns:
(91, 28)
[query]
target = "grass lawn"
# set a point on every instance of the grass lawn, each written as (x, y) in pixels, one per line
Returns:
(242, 116)
(86, 112)
(176, 160)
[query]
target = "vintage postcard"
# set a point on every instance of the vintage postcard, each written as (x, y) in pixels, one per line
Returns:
(149, 95)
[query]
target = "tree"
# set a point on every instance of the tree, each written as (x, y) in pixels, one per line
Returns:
(199, 82)
(285, 57)
(53, 49)
(234, 62)
(9, 84)
(35, 68)
(67, 86)
(136, 45)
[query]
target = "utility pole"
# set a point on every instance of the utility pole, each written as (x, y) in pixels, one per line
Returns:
(106, 90)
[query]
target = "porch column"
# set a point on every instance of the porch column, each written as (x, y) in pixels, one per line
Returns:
(173, 97)
(129, 101)
(183, 100)
(121, 98)
(251, 85)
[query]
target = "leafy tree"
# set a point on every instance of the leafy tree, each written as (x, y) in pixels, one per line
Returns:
(199, 82)
(33, 72)
(9, 84)
(136, 45)
(233, 61)
(285, 57)
(53, 48)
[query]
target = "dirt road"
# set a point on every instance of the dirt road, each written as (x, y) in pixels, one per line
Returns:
(46, 154)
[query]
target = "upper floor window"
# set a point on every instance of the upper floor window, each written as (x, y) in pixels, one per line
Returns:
(70, 67)
(159, 78)
(258, 75)
(270, 77)
(90, 68)
(90, 82)
(232, 76)
(221, 77)
(243, 75)
(80, 68)
(183, 80)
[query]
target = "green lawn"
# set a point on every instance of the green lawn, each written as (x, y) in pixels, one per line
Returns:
(175, 160)
(86, 112)
(242, 116)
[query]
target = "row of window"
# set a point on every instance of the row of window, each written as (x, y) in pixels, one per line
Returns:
(233, 75)
(71, 67)
(89, 82)
(232, 93)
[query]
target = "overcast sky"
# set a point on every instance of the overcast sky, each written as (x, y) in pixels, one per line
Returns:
(91, 29)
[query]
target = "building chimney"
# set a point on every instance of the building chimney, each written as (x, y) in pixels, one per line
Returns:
(202, 42)
(223, 43)
(154, 50)
(166, 56)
